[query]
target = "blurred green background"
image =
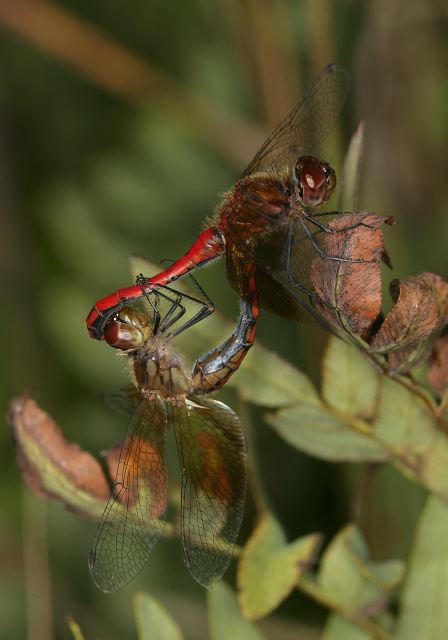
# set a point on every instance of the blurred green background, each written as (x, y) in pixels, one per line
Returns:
(119, 125)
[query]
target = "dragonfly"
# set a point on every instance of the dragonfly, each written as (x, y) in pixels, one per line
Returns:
(269, 226)
(210, 442)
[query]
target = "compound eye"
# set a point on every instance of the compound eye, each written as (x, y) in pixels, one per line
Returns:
(122, 336)
(126, 330)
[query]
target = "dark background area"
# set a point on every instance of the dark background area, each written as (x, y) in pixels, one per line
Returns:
(119, 126)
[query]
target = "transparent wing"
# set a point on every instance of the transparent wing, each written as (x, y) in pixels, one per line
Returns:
(212, 453)
(307, 125)
(131, 525)
(124, 400)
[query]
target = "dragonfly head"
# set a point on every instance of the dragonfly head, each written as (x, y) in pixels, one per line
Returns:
(127, 329)
(315, 181)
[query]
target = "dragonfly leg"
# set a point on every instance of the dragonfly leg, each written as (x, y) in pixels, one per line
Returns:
(328, 229)
(155, 311)
(206, 306)
(177, 309)
(212, 371)
(209, 246)
(311, 237)
(312, 297)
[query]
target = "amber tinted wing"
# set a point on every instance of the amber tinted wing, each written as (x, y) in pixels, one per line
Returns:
(307, 125)
(131, 525)
(212, 454)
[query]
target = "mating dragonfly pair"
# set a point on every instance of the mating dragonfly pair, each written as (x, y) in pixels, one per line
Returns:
(269, 226)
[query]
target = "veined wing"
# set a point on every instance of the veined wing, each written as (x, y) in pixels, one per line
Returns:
(131, 525)
(124, 400)
(212, 453)
(307, 125)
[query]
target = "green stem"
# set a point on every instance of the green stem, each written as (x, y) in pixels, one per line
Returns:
(308, 586)
(39, 615)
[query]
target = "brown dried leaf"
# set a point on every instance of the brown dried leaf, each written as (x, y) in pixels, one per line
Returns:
(351, 282)
(438, 366)
(51, 466)
(410, 329)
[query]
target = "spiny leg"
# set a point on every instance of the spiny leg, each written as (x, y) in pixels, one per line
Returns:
(160, 325)
(206, 306)
(327, 229)
(177, 309)
(155, 309)
(311, 237)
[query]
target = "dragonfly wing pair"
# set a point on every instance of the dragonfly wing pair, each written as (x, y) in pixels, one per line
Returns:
(307, 125)
(212, 455)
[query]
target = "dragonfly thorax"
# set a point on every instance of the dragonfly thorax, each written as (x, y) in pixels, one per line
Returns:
(156, 368)
(253, 206)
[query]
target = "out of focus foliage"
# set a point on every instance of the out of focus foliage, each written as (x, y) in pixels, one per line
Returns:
(118, 128)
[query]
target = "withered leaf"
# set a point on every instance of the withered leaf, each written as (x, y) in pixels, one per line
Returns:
(51, 466)
(348, 278)
(410, 329)
(438, 365)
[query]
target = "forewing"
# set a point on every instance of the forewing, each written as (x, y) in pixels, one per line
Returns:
(307, 125)
(212, 454)
(125, 400)
(131, 524)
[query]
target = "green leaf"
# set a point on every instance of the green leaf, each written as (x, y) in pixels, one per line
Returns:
(420, 445)
(403, 422)
(349, 382)
(269, 567)
(348, 197)
(269, 381)
(351, 579)
(315, 430)
(354, 587)
(225, 619)
(153, 621)
(338, 628)
(433, 465)
(424, 603)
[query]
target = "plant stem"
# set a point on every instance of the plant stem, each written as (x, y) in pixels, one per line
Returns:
(308, 586)
(36, 569)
